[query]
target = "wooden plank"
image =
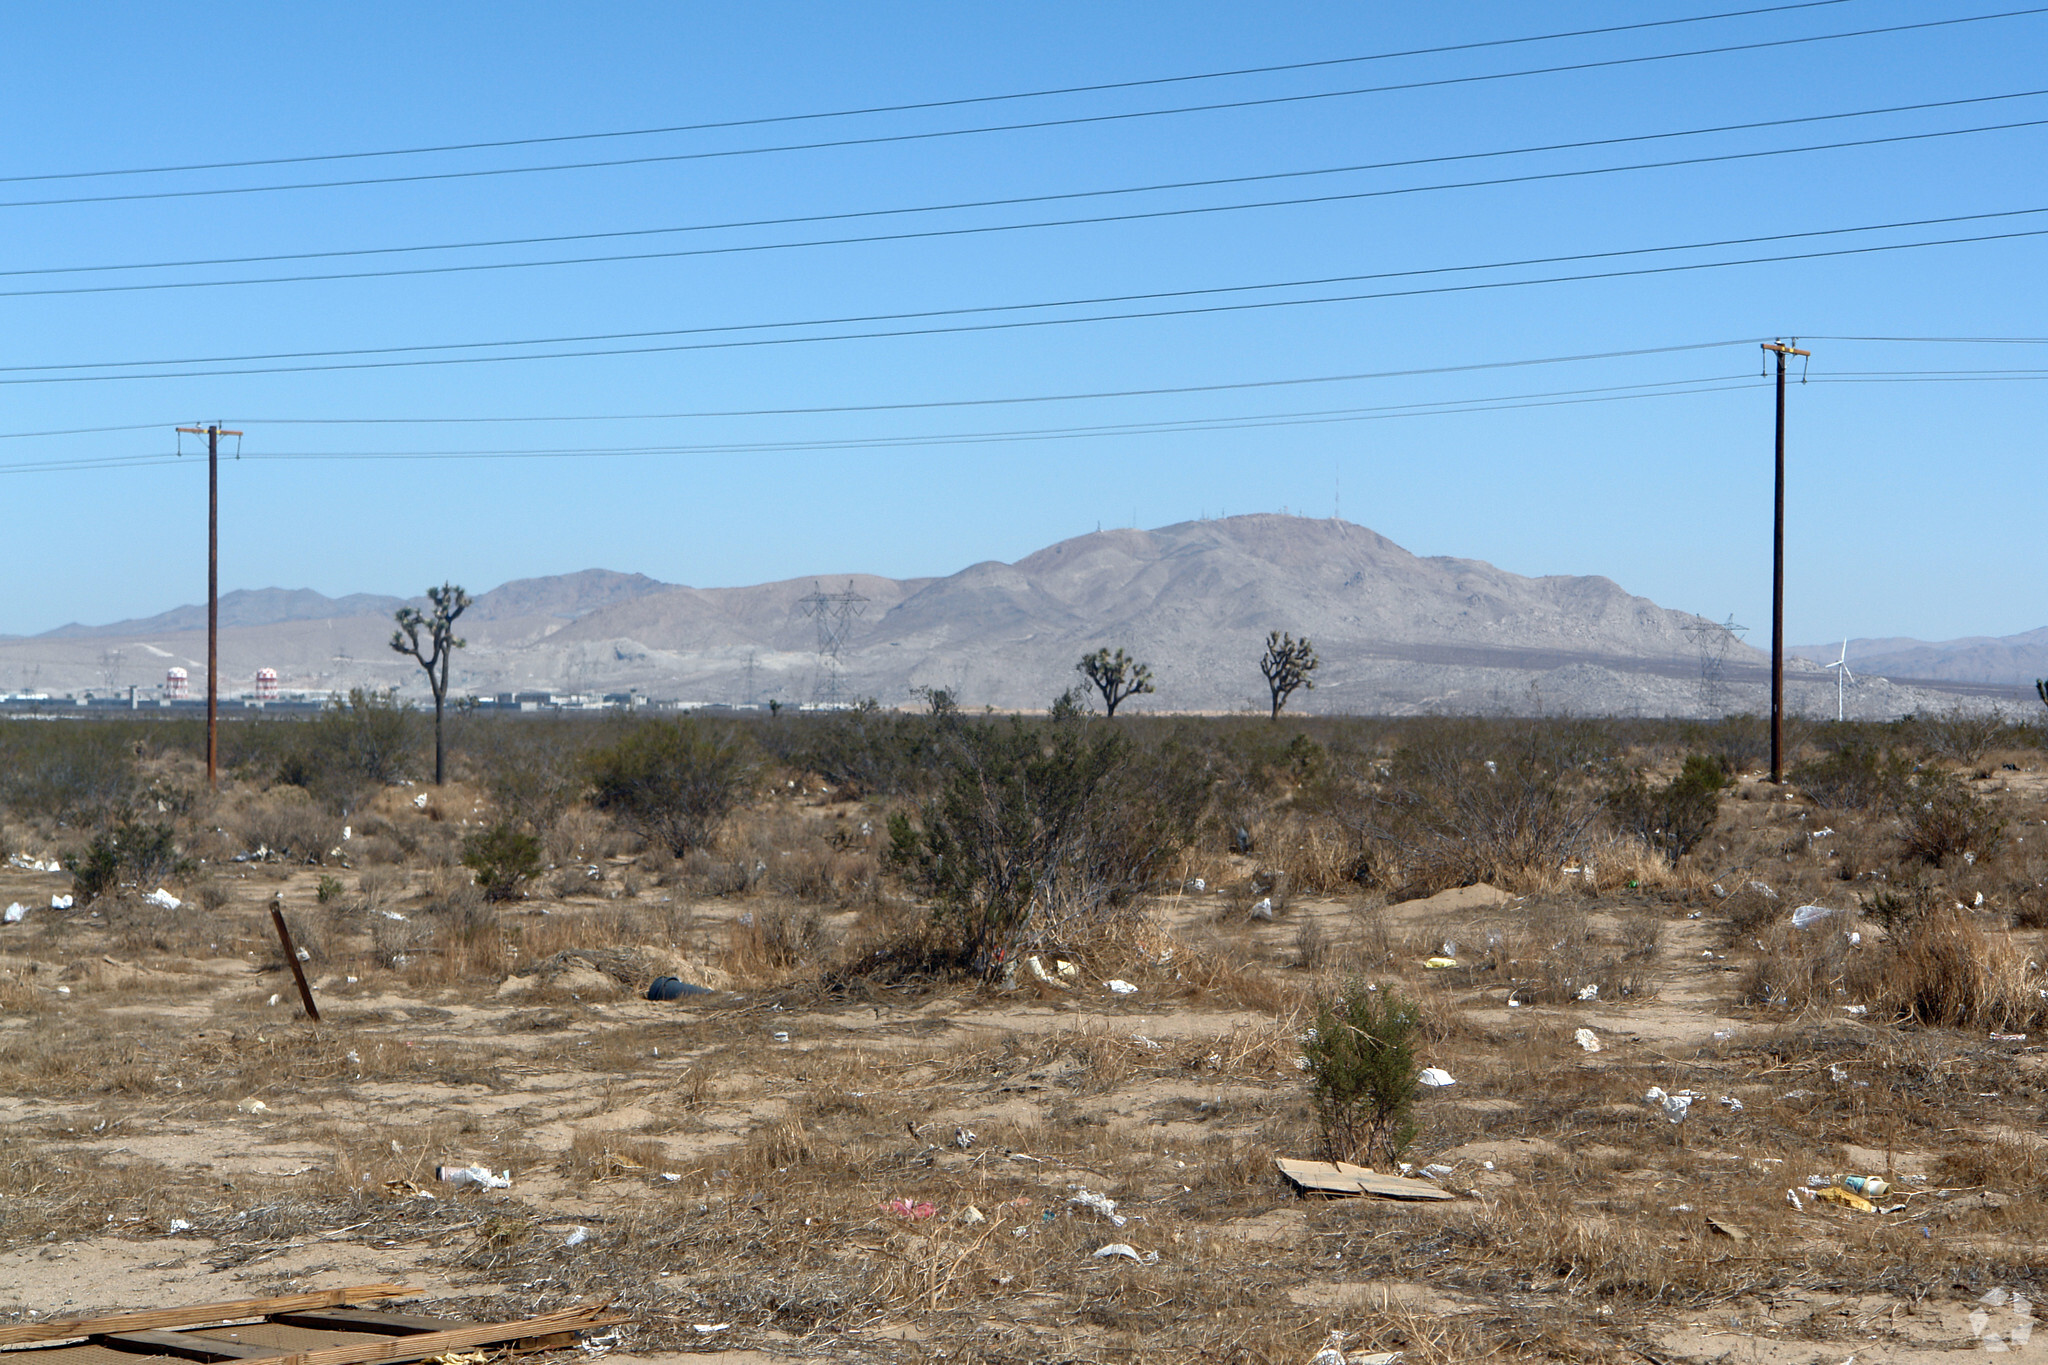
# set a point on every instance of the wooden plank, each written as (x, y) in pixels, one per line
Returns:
(199, 1315)
(188, 1345)
(369, 1320)
(1341, 1177)
(568, 1320)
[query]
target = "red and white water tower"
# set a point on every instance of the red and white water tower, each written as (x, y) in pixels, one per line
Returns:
(177, 684)
(266, 684)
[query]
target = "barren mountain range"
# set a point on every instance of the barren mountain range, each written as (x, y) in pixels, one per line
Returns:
(1396, 633)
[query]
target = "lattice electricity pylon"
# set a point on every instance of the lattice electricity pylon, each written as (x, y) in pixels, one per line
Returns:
(834, 613)
(1714, 639)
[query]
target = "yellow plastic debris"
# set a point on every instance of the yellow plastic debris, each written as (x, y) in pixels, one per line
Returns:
(1835, 1194)
(1437, 964)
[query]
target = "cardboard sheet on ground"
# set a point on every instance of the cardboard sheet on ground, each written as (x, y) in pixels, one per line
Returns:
(1341, 1177)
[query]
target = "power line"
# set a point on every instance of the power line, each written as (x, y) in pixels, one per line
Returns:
(42, 374)
(1661, 388)
(1066, 196)
(727, 124)
(935, 404)
(1034, 125)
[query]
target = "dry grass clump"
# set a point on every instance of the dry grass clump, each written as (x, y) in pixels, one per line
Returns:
(1941, 970)
(602, 1155)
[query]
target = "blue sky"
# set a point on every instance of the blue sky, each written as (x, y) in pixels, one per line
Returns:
(1912, 502)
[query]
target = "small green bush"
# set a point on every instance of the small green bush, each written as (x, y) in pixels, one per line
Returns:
(503, 860)
(328, 889)
(130, 853)
(1855, 777)
(1945, 820)
(1361, 1060)
(1674, 818)
(671, 781)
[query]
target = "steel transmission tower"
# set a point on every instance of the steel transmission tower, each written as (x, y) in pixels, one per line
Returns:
(835, 613)
(1714, 639)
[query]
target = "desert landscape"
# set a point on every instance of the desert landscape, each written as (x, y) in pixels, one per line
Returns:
(851, 1141)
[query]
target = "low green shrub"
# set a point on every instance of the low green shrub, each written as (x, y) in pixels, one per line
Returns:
(1363, 1073)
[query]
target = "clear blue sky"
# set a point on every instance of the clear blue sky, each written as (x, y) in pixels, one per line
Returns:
(1915, 505)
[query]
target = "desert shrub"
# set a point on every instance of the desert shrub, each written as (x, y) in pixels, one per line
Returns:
(1813, 968)
(775, 940)
(1474, 801)
(1737, 743)
(1960, 734)
(370, 739)
(328, 889)
(73, 774)
(672, 781)
(1945, 820)
(532, 769)
(1673, 818)
(503, 859)
(867, 751)
(132, 853)
(1943, 971)
(1858, 776)
(1363, 1074)
(1042, 828)
(289, 823)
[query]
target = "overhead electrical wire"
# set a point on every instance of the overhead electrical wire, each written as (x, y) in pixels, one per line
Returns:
(42, 374)
(462, 268)
(1034, 125)
(1662, 388)
(726, 124)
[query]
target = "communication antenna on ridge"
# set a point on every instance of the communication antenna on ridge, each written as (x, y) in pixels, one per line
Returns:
(835, 613)
(1843, 677)
(1714, 639)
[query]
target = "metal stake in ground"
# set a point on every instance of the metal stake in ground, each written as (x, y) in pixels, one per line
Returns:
(291, 957)
(213, 432)
(1783, 349)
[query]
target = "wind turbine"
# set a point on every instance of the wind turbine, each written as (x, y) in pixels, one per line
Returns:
(1842, 676)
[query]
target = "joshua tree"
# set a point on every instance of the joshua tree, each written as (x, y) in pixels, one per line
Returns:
(1287, 666)
(1116, 676)
(2041, 687)
(449, 602)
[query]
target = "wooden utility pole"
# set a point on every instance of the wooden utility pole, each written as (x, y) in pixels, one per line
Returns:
(1782, 349)
(212, 432)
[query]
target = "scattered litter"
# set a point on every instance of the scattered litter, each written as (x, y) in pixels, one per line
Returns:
(972, 1216)
(1450, 949)
(420, 802)
(1126, 1249)
(1142, 1041)
(1979, 901)
(405, 1189)
(963, 1138)
(1823, 832)
(1102, 1204)
(577, 1238)
(1675, 1107)
(252, 1106)
(1587, 1039)
(782, 1035)
(355, 1058)
(1858, 1010)
(1835, 1194)
(1198, 885)
(1730, 1103)
(903, 1208)
(674, 988)
(1808, 915)
(473, 1175)
(274, 998)
(1872, 1185)
(1855, 939)
(1728, 1230)
(60, 902)
(1792, 1198)
(1341, 1177)
(1763, 891)
(1437, 964)
(28, 864)
(391, 914)
(1435, 1076)
(1122, 987)
(1038, 970)
(15, 913)
(707, 1328)
(670, 1176)
(1264, 909)
(180, 1225)
(1836, 1074)
(1590, 992)
(163, 900)
(1436, 1170)
(2008, 1037)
